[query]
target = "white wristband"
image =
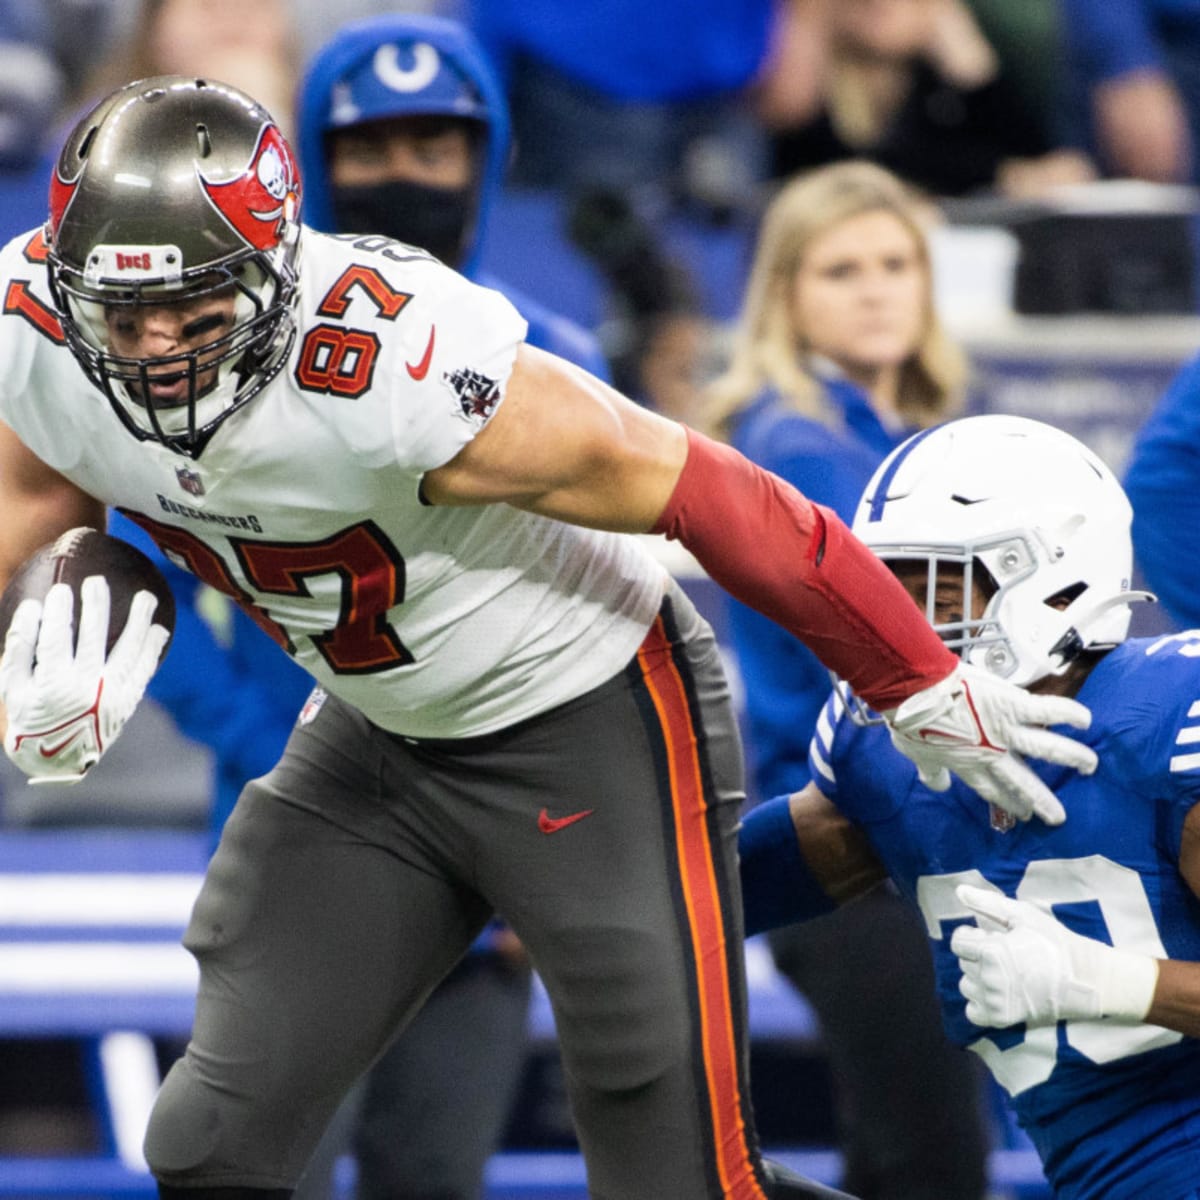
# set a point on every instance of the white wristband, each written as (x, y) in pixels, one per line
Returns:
(1126, 984)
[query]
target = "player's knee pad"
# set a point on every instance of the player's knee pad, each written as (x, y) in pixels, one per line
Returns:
(184, 1129)
(200, 1132)
(611, 1057)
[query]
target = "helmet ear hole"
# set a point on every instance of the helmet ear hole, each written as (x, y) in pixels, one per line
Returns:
(1065, 597)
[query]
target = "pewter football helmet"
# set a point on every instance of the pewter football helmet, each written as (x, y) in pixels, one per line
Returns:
(1029, 506)
(173, 189)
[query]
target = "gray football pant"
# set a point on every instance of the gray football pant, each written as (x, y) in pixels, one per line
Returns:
(431, 1112)
(353, 877)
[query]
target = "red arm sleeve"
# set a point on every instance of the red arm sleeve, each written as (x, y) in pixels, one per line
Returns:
(798, 563)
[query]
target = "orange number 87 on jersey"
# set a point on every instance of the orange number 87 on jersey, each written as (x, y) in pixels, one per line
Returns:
(370, 570)
(334, 359)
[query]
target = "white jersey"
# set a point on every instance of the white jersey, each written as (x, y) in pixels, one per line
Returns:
(304, 506)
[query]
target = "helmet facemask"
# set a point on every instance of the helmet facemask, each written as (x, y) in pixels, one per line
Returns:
(176, 191)
(1018, 630)
(958, 596)
(221, 375)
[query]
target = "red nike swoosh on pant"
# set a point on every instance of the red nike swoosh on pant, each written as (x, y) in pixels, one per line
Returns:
(422, 368)
(549, 824)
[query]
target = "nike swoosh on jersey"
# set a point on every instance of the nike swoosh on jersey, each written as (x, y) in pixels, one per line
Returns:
(549, 824)
(421, 369)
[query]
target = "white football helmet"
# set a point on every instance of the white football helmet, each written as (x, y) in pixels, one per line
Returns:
(1037, 512)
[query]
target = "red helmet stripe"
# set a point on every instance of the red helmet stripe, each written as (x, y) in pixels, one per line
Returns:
(62, 192)
(261, 201)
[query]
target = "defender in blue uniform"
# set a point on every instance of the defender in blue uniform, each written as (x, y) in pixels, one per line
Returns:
(1017, 539)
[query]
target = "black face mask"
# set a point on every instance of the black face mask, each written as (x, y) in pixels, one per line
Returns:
(436, 219)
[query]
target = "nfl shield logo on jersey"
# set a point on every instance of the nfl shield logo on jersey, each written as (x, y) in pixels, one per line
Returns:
(1001, 821)
(190, 481)
(477, 394)
(312, 706)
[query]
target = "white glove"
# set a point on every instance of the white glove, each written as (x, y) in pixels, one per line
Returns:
(1020, 964)
(977, 725)
(65, 707)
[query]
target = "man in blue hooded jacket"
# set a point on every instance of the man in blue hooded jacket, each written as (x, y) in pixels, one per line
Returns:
(403, 131)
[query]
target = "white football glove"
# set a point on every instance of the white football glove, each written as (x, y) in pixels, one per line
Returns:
(66, 706)
(1021, 964)
(975, 724)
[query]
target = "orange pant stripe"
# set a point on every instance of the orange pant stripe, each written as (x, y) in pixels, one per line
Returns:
(735, 1162)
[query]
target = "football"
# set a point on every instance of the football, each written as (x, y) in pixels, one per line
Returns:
(74, 556)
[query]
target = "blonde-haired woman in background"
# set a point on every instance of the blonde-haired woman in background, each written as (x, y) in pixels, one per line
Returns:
(841, 287)
(837, 357)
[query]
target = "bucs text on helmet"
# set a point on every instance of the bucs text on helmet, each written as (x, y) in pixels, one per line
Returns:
(172, 190)
(1029, 512)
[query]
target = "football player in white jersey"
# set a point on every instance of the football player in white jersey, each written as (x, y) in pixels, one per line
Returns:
(518, 712)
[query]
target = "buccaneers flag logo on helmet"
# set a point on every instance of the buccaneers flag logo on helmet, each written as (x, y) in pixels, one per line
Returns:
(264, 198)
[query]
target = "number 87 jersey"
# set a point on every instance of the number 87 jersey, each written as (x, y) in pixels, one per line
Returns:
(304, 504)
(1113, 1109)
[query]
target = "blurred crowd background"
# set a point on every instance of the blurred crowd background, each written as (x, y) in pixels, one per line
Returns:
(1054, 140)
(1047, 151)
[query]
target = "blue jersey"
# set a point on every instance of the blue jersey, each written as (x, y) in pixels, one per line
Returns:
(1160, 481)
(1113, 1109)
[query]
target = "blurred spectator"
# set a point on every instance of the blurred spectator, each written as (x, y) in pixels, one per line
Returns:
(314, 24)
(32, 84)
(915, 86)
(249, 45)
(666, 99)
(1163, 483)
(1026, 38)
(1133, 85)
(837, 358)
(385, 150)
(656, 336)
(46, 47)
